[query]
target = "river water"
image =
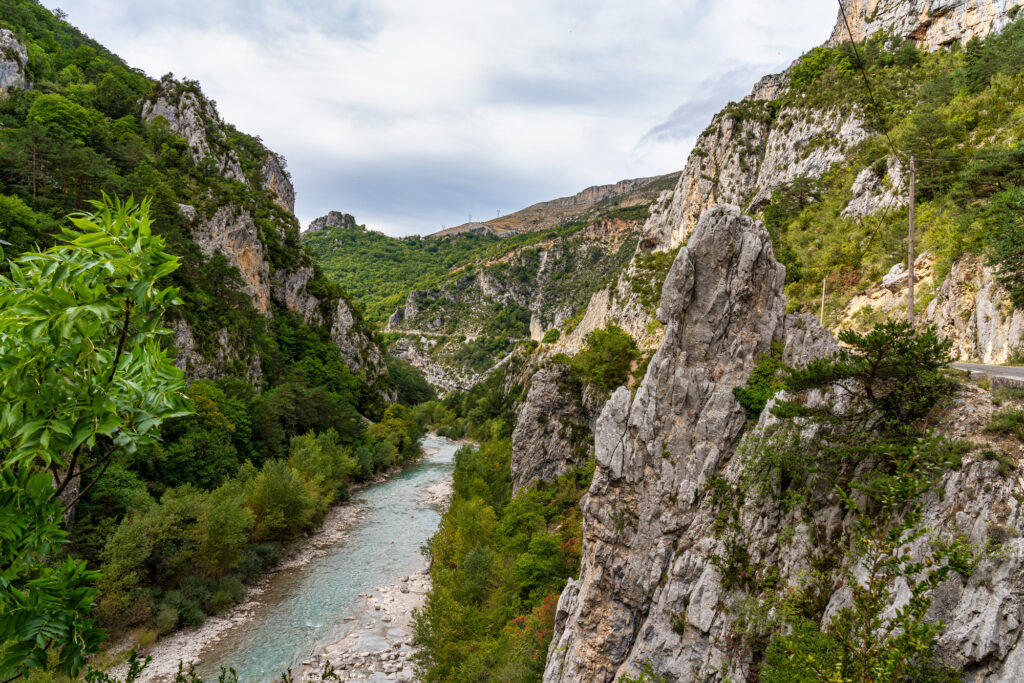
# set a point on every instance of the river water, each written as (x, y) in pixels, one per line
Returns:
(305, 608)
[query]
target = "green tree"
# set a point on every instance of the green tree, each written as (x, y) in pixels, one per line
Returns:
(1006, 241)
(607, 360)
(83, 380)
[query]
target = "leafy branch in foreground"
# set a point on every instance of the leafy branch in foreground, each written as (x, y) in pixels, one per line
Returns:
(83, 380)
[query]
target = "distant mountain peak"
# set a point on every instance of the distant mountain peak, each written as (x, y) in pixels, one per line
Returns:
(334, 219)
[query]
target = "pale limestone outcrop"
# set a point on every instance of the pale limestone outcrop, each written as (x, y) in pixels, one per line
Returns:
(804, 142)
(333, 219)
(357, 347)
(422, 353)
(553, 429)
(969, 308)
(231, 231)
(277, 181)
(199, 366)
(194, 118)
(650, 591)
(974, 311)
(723, 168)
(722, 305)
(289, 292)
(13, 58)
(746, 153)
(872, 193)
(932, 23)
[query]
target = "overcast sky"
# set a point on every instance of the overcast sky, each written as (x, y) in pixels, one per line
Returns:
(413, 114)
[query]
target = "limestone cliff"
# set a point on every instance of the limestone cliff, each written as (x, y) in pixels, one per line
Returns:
(553, 431)
(932, 23)
(650, 591)
(748, 150)
(968, 307)
(191, 116)
(13, 58)
(722, 305)
(260, 239)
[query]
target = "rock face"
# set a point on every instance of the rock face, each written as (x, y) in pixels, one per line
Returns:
(872, 193)
(745, 154)
(973, 310)
(333, 219)
(277, 182)
(969, 307)
(722, 306)
(211, 366)
(13, 58)
(650, 591)
(723, 167)
(553, 431)
(194, 118)
(932, 23)
(232, 232)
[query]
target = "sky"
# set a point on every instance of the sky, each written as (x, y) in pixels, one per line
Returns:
(414, 115)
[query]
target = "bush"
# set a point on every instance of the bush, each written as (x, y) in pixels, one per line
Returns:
(1006, 242)
(283, 504)
(1008, 421)
(763, 383)
(551, 336)
(607, 359)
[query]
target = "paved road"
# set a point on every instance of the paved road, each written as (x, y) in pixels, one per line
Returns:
(994, 370)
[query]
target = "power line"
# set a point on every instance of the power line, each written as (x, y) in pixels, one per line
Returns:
(864, 73)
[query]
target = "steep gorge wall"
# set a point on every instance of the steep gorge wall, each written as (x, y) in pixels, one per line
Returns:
(722, 305)
(231, 230)
(932, 23)
(650, 590)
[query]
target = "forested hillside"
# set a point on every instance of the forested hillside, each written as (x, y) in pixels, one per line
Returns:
(290, 397)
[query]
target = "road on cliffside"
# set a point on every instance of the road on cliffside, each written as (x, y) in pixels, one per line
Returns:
(1016, 373)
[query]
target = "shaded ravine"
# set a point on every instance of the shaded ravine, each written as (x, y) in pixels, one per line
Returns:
(302, 609)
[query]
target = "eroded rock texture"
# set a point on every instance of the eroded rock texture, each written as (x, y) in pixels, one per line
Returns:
(553, 433)
(650, 591)
(13, 58)
(722, 306)
(932, 23)
(969, 307)
(193, 117)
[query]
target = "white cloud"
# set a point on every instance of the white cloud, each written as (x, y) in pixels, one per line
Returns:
(414, 114)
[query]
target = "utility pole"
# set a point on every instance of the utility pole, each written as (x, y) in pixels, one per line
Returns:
(910, 247)
(821, 317)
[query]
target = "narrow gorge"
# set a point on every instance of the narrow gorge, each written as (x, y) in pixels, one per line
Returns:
(680, 427)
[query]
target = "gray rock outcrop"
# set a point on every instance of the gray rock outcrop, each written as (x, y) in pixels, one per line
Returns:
(969, 307)
(932, 23)
(232, 232)
(333, 219)
(722, 305)
(872, 194)
(13, 58)
(650, 591)
(553, 431)
(277, 182)
(194, 118)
